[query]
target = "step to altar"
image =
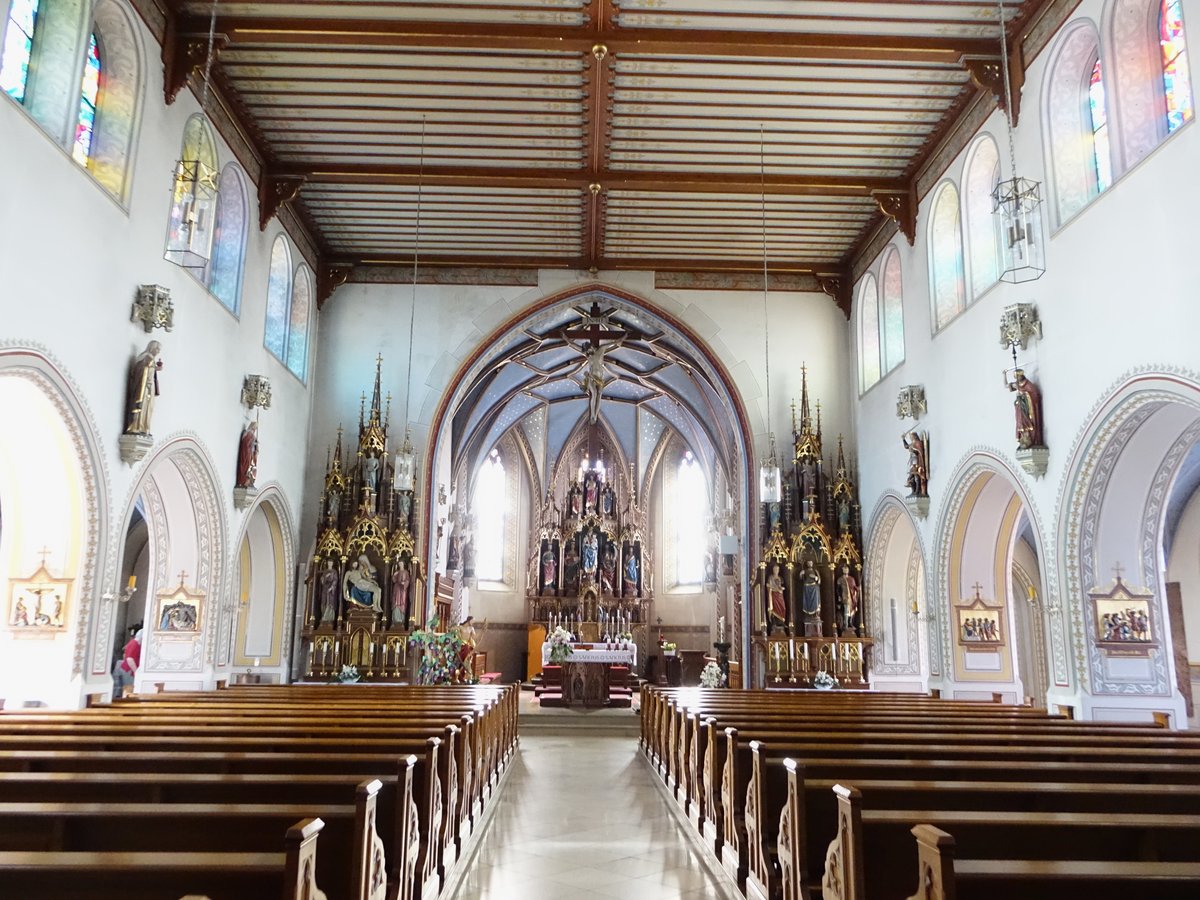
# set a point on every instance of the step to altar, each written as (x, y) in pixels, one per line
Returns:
(534, 718)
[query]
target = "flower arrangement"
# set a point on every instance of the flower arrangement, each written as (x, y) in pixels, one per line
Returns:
(348, 675)
(444, 657)
(668, 647)
(560, 645)
(711, 676)
(823, 681)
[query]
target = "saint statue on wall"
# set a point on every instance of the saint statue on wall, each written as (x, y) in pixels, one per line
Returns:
(848, 598)
(608, 572)
(142, 389)
(917, 446)
(631, 574)
(571, 568)
(591, 552)
(549, 569)
(1027, 404)
(400, 583)
(247, 463)
(328, 588)
(776, 601)
(810, 589)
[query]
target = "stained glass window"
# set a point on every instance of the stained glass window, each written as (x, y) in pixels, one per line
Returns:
(1099, 115)
(946, 258)
(229, 240)
(983, 225)
(1177, 86)
(89, 96)
(691, 514)
(893, 313)
(868, 344)
(489, 519)
(279, 296)
(18, 48)
(297, 343)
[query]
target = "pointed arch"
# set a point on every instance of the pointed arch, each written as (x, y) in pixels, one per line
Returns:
(224, 272)
(279, 299)
(299, 321)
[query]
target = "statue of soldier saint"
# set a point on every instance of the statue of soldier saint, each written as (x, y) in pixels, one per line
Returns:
(588, 339)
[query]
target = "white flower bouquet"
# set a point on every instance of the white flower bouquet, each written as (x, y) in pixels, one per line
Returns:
(823, 681)
(560, 645)
(711, 676)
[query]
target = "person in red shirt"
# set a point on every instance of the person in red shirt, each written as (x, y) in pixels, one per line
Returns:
(131, 657)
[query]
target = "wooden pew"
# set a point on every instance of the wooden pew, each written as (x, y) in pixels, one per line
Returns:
(291, 874)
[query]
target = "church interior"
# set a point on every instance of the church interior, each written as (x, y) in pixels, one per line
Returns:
(819, 371)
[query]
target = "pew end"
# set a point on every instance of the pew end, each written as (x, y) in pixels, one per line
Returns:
(935, 864)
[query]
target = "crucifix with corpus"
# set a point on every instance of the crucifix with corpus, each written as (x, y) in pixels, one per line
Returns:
(594, 337)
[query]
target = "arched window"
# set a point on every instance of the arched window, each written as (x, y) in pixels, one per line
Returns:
(691, 513)
(1177, 88)
(1076, 110)
(946, 258)
(89, 100)
(119, 97)
(18, 47)
(489, 519)
(868, 334)
(298, 319)
(892, 317)
(983, 225)
(1098, 112)
(224, 274)
(279, 298)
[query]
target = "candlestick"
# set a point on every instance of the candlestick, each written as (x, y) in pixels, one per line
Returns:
(721, 629)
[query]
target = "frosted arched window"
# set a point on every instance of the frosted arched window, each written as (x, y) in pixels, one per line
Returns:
(1076, 111)
(489, 519)
(89, 100)
(224, 275)
(1098, 114)
(868, 334)
(946, 258)
(18, 48)
(279, 298)
(298, 320)
(691, 514)
(983, 225)
(892, 315)
(1177, 85)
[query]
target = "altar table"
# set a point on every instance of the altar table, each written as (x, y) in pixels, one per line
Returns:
(597, 653)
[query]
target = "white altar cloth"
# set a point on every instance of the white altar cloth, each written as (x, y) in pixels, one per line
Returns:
(599, 654)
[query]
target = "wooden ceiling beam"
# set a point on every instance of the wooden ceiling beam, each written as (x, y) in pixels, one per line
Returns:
(317, 173)
(509, 36)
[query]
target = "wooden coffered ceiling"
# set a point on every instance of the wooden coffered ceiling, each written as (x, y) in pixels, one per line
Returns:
(596, 133)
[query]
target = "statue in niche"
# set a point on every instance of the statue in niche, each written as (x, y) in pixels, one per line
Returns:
(710, 567)
(810, 589)
(454, 554)
(917, 446)
(370, 472)
(400, 583)
(571, 568)
(608, 500)
(549, 569)
(247, 463)
(333, 505)
(328, 592)
(590, 488)
(359, 586)
(776, 601)
(847, 598)
(575, 499)
(404, 508)
(608, 572)
(843, 513)
(591, 552)
(808, 480)
(774, 512)
(1028, 406)
(631, 574)
(142, 389)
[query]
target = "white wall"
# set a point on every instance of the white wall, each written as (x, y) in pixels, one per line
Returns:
(70, 262)
(1118, 295)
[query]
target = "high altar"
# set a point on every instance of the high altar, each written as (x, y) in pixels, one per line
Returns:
(365, 581)
(808, 583)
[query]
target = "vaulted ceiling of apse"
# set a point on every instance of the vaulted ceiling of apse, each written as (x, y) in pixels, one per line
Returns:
(530, 380)
(609, 134)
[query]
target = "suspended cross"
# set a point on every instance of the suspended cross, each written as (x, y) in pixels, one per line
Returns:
(590, 335)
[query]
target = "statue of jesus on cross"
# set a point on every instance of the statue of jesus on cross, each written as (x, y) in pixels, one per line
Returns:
(587, 339)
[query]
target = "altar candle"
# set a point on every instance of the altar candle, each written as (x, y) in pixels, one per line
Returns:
(721, 630)
(257, 661)
(132, 582)
(792, 649)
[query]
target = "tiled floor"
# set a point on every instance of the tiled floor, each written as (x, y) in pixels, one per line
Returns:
(581, 817)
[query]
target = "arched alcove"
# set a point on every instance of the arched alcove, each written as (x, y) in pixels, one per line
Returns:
(262, 588)
(897, 600)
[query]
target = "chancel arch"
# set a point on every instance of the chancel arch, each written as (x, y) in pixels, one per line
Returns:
(990, 547)
(1130, 480)
(183, 603)
(53, 494)
(657, 394)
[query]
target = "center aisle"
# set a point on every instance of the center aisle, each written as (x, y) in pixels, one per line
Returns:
(581, 817)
